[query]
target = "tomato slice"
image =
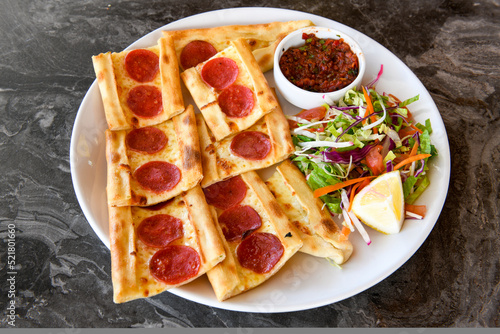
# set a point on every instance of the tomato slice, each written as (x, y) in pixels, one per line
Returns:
(420, 210)
(314, 114)
(375, 161)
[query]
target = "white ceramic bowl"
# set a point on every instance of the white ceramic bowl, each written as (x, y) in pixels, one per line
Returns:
(302, 98)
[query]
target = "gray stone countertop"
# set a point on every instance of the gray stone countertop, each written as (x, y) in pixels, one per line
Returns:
(63, 269)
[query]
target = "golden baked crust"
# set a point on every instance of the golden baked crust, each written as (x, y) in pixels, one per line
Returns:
(261, 38)
(114, 85)
(250, 76)
(316, 227)
(182, 150)
(229, 278)
(219, 163)
(130, 256)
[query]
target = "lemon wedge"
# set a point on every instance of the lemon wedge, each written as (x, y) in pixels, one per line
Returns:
(380, 205)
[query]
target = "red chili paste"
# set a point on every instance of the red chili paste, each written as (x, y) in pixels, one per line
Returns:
(320, 65)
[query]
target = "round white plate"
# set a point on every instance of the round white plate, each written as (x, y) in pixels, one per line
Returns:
(304, 282)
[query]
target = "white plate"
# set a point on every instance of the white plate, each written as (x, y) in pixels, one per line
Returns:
(304, 282)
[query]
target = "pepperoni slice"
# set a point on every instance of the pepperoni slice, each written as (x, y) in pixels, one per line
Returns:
(145, 101)
(251, 145)
(160, 230)
(158, 176)
(174, 264)
(220, 72)
(236, 101)
(239, 220)
(260, 252)
(196, 52)
(142, 65)
(227, 193)
(148, 140)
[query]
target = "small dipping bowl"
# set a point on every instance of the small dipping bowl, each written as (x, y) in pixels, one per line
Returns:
(302, 98)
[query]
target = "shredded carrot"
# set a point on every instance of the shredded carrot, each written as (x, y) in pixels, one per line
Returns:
(325, 190)
(344, 234)
(416, 129)
(411, 159)
(369, 109)
(395, 98)
(369, 105)
(398, 101)
(353, 192)
(414, 149)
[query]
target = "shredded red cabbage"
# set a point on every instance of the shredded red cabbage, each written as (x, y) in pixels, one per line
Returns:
(421, 169)
(389, 166)
(345, 157)
(396, 116)
(374, 81)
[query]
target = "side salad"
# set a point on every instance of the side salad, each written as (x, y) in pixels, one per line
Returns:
(343, 145)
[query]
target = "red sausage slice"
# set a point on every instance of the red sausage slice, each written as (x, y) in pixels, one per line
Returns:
(158, 176)
(148, 140)
(174, 264)
(220, 72)
(160, 230)
(260, 252)
(145, 101)
(236, 101)
(196, 52)
(238, 220)
(227, 193)
(142, 65)
(251, 145)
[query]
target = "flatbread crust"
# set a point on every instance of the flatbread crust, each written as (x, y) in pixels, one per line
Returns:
(261, 38)
(316, 227)
(182, 150)
(229, 278)
(130, 256)
(250, 76)
(218, 161)
(114, 85)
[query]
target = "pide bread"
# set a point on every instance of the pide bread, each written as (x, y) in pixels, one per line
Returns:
(157, 248)
(139, 87)
(264, 144)
(153, 164)
(316, 227)
(230, 90)
(257, 236)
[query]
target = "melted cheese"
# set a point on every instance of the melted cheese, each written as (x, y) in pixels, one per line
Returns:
(245, 279)
(229, 164)
(125, 83)
(177, 208)
(249, 75)
(170, 153)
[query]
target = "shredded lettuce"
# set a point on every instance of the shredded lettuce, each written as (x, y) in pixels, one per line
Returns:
(422, 185)
(409, 101)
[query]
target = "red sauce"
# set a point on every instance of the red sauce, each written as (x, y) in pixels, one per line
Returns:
(320, 65)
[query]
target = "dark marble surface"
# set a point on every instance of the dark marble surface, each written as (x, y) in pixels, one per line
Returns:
(63, 268)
